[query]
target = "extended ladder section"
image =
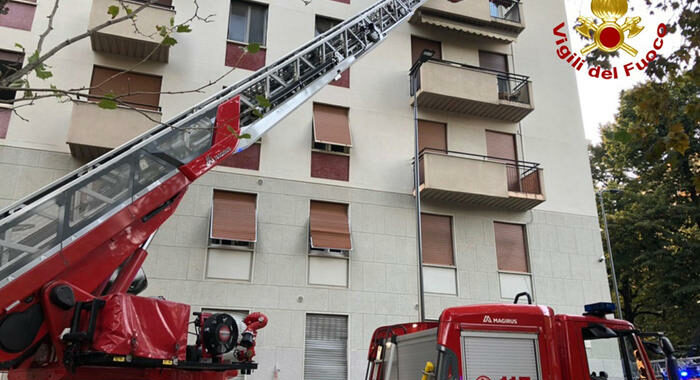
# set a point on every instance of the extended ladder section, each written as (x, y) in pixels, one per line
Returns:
(42, 224)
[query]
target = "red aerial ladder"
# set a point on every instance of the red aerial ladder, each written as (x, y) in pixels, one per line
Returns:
(71, 253)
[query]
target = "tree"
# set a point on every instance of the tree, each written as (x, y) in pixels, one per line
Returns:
(652, 153)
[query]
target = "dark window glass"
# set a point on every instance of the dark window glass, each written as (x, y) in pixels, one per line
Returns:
(324, 24)
(10, 62)
(247, 22)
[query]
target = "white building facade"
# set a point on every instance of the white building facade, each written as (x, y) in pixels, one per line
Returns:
(316, 225)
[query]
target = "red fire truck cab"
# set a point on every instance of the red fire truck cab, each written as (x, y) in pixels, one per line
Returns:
(511, 342)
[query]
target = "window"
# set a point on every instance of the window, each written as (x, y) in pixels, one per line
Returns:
(10, 62)
(247, 159)
(322, 25)
(511, 253)
(432, 136)
(329, 243)
(233, 233)
(331, 145)
(419, 44)
(144, 87)
(20, 15)
(247, 24)
(439, 272)
(506, 9)
(502, 147)
(326, 347)
(613, 357)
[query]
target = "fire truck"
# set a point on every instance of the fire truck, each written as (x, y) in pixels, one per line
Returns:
(71, 253)
(517, 342)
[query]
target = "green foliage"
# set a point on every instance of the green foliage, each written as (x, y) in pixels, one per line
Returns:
(169, 41)
(263, 101)
(41, 70)
(113, 11)
(253, 48)
(652, 152)
(184, 28)
(108, 102)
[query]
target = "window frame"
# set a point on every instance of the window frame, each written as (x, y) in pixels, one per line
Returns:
(326, 18)
(249, 5)
(4, 63)
(323, 147)
(454, 255)
(248, 245)
(528, 261)
(329, 252)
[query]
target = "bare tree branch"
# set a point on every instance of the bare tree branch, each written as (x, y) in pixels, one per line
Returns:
(49, 27)
(29, 67)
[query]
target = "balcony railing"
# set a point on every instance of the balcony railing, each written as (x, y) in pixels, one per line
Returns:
(508, 10)
(511, 87)
(522, 176)
(466, 89)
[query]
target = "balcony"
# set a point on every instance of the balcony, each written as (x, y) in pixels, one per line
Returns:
(494, 19)
(480, 180)
(126, 40)
(455, 87)
(94, 131)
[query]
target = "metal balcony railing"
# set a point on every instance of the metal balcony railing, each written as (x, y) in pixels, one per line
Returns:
(508, 10)
(523, 176)
(511, 87)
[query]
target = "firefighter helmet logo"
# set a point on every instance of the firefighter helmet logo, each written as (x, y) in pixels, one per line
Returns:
(610, 35)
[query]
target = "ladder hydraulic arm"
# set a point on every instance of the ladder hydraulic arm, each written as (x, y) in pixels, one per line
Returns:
(69, 251)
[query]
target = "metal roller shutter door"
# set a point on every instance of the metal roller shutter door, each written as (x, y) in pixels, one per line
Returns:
(325, 351)
(498, 357)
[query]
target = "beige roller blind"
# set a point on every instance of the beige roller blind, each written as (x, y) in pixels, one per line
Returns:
(437, 239)
(331, 125)
(144, 87)
(510, 247)
(233, 216)
(432, 136)
(329, 225)
(501, 145)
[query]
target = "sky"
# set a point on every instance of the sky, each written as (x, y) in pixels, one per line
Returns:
(599, 97)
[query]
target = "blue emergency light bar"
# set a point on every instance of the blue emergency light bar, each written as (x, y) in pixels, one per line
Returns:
(600, 308)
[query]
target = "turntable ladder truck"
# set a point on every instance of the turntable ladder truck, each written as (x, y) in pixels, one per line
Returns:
(71, 253)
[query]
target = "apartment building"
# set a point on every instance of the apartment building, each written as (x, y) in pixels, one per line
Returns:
(315, 225)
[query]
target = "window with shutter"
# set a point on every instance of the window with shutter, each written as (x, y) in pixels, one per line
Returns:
(331, 142)
(329, 227)
(513, 266)
(511, 247)
(439, 272)
(326, 347)
(232, 236)
(432, 136)
(135, 89)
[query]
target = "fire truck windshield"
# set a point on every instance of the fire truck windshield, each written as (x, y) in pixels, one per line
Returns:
(613, 355)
